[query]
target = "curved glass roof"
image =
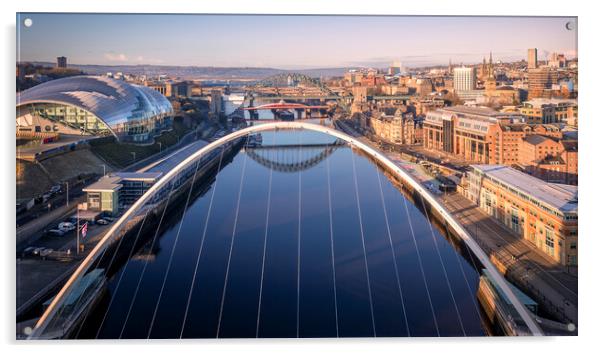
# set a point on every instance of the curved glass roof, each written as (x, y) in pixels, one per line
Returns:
(113, 101)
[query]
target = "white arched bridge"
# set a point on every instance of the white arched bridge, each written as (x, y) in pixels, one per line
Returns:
(61, 312)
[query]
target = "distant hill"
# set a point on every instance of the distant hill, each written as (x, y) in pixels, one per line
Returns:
(201, 72)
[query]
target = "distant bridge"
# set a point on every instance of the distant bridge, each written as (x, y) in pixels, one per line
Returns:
(285, 105)
(299, 97)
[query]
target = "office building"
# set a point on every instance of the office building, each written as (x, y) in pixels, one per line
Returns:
(543, 213)
(549, 159)
(216, 106)
(541, 81)
(117, 191)
(550, 110)
(465, 79)
(532, 58)
(61, 62)
(464, 131)
(505, 140)
(393, 125)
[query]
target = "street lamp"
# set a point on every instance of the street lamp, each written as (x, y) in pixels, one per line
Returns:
(67, 192)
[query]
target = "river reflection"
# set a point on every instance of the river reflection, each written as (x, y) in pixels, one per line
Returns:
(290, 241)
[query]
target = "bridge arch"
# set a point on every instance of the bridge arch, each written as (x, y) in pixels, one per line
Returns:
(115, 229)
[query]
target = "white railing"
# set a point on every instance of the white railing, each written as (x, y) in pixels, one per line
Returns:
(114, 232)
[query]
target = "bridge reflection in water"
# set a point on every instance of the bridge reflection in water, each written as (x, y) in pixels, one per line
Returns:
(312, 240)
(292, 158)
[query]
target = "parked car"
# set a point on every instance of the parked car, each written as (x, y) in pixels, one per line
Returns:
(45, 252)
(28, 251)
(108, 219)
(55, 189)
(102, 222)
(66, 226)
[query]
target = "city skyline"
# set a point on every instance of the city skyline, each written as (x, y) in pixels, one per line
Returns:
(171, 39)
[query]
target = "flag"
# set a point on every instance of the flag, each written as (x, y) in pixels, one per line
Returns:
(84, 230)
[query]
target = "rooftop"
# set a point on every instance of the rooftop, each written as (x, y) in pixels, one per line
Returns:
(106, 183)
(538, 102)
(559, 196)
(536, 139)
(139, 176)
(480, 111)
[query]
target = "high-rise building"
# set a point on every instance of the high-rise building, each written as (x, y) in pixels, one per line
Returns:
(532, 58)
(61, 62)
(541, 81)
(464, 79)
(216, 105)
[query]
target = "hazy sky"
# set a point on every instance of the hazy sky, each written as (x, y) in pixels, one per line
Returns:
(287, 41)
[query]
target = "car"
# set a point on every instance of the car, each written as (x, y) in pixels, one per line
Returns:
(28, 251)
(66, 226)
(57, 232)
(55, 189)
(45, 252)
(108, 219)
(102, 222)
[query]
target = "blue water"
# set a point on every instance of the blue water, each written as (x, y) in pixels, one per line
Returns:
(259, 245)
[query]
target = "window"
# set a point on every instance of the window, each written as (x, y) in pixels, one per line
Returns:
(515, 221)
(573, 246)
(549, 242)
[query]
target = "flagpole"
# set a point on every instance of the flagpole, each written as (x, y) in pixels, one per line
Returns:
(78, 229)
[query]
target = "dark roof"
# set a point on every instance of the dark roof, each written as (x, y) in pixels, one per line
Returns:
(536, 139)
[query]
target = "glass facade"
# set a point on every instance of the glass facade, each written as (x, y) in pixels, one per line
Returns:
(71, 116)
(100, 105)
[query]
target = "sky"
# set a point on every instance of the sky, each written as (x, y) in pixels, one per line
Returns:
(288, 42)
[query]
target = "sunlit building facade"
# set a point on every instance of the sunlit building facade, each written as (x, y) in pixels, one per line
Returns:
(543, 213)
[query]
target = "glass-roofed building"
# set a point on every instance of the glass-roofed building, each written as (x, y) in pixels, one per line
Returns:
(94, 105)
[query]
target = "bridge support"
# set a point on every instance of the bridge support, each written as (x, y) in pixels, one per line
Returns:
(253, 114)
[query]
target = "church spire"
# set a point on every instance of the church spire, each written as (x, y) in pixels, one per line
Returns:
(490, 68)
